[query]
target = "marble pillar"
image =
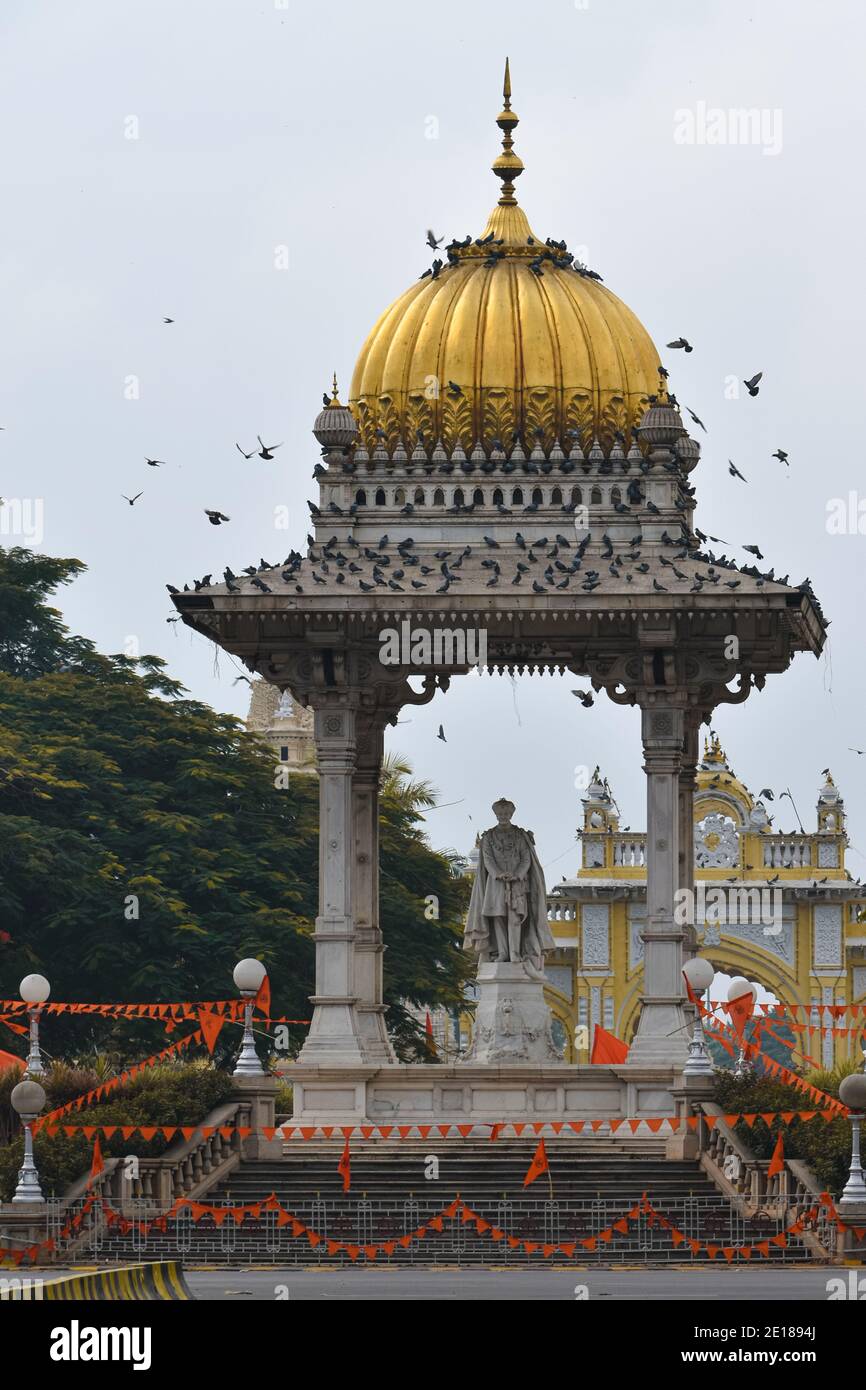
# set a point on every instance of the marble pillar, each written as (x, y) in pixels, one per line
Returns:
(348, 1023)
(662, 1036)
(335, 1033)
(369, 949)
(686, 846)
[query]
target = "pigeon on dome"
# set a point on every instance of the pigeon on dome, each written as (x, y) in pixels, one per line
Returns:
(829, 793)
(831, 807)
(599, 807)
(335, 427)
(598, 789)
(715, 759)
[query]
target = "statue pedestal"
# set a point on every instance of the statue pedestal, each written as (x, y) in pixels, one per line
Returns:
(512, 1021)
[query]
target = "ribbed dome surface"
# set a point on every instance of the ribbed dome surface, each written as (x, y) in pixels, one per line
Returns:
(556, 352)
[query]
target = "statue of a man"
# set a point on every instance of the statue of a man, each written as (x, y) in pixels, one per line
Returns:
(507, 919)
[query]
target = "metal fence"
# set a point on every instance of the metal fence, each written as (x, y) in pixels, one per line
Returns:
(363, 1222)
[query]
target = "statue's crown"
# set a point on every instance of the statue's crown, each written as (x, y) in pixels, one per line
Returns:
(502, 805)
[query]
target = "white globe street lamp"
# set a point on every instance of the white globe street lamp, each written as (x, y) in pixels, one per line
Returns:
(34, 990)
(27, 1099)
(736, 989)
(699, 974)
(852, 1093)
(248, 975)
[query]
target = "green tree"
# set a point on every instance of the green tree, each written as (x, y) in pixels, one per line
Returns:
(144, 847)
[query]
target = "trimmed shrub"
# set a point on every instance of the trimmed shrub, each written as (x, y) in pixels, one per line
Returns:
(166, 1095)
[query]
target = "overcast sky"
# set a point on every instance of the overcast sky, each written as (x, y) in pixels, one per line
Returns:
(157, 155)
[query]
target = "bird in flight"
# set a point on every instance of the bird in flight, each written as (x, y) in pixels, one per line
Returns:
(861, 751)
(240, 451)
(754, 550)
(766, 794)
(433, 241)
(441, 734)
(165, 320)
(696, 420)
(215, 518)
(131, 500)
(681, 343)
(751, 384)
(735, 472)
(782, 457)
(266, 449)
(585, 698)
(154, 463)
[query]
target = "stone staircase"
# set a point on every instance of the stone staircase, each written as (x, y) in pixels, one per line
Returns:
(592, 1187)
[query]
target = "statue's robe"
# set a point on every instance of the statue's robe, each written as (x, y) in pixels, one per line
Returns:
(509, 850)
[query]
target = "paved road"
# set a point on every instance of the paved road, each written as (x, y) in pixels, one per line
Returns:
(795, 1285)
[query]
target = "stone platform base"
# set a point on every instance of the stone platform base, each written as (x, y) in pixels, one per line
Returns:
(512, 1020)
(465, 1093)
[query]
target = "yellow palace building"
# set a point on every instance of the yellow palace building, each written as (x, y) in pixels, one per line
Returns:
(789, 915)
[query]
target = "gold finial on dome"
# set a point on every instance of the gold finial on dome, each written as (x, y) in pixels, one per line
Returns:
(508, 166)
(335, 399)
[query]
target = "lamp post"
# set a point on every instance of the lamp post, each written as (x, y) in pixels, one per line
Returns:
(852, 1093)
(34, 990)
(27, 1099)
(699, 974)
(248, 975)
(736, 989)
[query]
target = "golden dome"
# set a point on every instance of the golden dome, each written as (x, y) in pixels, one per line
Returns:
(532, 344)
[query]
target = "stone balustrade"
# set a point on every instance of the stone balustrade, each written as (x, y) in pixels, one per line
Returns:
(187, 1168)
(736, 1171)
(788, 852)
(629, 851)
(560, 909)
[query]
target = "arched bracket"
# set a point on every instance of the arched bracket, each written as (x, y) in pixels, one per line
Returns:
(432, 683)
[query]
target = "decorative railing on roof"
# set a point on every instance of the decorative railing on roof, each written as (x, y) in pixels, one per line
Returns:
(627, 850)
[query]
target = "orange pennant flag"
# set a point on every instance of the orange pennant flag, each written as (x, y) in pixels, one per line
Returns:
(96, 1163)
(344, 1168)
(428, 1030)
(15, 1028)
(740, 1011)
(210, 1025)
(262, 1001)
(777, 1162)
(538, 1165)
